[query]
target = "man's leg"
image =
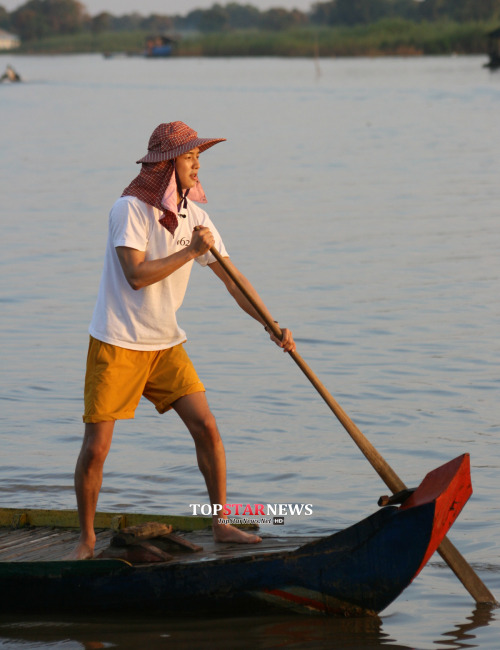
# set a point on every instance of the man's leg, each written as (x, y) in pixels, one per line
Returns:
(196, 414)
(88, 481)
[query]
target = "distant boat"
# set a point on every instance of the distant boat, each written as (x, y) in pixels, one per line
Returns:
(10, 75)
(159, 46)
(493, 50)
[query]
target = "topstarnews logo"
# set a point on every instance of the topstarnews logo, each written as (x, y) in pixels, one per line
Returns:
(252, 513)
(251, 509)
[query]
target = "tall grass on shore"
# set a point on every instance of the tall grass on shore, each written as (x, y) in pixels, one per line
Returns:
(386, 37)
(85, 42)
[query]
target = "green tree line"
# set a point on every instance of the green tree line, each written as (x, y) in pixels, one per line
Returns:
(39, 19)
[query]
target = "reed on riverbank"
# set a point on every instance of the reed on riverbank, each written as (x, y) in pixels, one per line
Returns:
(85, 42)
(388, 37)
(384, 38)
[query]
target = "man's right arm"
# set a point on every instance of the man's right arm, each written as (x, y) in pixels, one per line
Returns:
(140, 272)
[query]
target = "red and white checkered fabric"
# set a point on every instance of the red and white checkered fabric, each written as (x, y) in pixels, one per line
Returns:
(156, 183)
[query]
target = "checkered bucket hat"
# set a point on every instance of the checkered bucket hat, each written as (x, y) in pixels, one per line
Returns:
(174, 139)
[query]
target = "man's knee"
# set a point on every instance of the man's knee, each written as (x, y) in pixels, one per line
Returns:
(204, 430)
(96, 443)
(199, 419)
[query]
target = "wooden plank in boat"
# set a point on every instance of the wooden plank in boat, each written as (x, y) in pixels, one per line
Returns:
(19, 517)
(43, 544)
(48, 544)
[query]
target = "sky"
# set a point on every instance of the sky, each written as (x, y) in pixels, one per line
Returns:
(168, 7)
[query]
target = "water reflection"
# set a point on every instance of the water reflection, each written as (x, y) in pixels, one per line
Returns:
(461, 636)
(230, 633)
(263, 632)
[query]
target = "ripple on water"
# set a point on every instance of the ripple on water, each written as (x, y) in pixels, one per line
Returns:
(390, 285)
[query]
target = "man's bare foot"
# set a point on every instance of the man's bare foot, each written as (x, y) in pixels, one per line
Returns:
(82, 551)
(230, 534)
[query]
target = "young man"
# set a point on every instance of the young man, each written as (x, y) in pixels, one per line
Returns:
(136, 345)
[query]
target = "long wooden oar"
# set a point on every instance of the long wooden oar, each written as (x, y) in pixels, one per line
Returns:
(453, 558)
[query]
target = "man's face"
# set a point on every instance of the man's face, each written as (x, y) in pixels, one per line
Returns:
(187, 167)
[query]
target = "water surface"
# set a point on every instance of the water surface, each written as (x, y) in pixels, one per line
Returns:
(362, 204)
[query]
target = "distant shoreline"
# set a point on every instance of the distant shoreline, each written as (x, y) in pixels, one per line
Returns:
(393, 37)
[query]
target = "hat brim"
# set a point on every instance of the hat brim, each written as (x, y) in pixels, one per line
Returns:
(159, 156)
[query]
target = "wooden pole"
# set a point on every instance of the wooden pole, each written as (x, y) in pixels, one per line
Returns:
(457, 563)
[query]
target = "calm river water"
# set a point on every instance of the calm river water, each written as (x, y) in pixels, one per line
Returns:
(362, 200)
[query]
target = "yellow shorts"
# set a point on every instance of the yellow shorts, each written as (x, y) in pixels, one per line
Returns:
(116, 378)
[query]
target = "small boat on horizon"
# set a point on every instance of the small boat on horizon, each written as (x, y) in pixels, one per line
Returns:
(10, 75)
(493, 50)
(157, 47)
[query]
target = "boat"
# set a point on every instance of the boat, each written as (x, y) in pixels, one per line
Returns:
(159, 46)
(357, 571)
(156, 47)
(10, 75)
(493, 50)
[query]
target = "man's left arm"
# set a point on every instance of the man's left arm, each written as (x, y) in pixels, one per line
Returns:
(287, 342)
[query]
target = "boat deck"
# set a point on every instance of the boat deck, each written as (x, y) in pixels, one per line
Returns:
(46, 543)
(43, 543)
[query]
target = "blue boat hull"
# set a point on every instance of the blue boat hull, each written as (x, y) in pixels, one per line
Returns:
(357, 571)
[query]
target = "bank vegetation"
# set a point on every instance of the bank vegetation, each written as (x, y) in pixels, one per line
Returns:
(329, 29)
(391, 37)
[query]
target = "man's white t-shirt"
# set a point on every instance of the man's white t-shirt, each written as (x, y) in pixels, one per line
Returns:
(146, 319)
